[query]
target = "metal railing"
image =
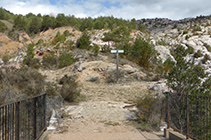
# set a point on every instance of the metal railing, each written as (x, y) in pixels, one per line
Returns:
(23, 120)
(190, 115)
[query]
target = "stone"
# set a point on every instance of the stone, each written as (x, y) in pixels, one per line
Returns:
(159, 87)
(139, 75)
(128, 69)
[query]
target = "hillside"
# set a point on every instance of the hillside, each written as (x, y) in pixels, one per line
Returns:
(75, 63)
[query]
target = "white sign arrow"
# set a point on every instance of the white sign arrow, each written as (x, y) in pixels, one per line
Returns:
(115, 51)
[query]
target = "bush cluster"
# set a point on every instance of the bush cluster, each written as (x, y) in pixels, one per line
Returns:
(69, 90)
(59, 38)
(5, 58)
(29, 59)
(206, 58)
(26, 81)
(208, 47)
(198, 54)
(84, 41)
(3, 27)
(150, 109)
(53, 61)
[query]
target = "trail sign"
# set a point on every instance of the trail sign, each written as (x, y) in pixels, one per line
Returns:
(117, 51)
(117, 61)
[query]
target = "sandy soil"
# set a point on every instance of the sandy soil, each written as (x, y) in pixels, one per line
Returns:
(80, 125)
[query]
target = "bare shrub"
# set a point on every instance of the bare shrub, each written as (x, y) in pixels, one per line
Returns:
(69, 90)
(150, 111)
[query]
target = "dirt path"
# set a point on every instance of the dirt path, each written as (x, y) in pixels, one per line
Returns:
(104, 115)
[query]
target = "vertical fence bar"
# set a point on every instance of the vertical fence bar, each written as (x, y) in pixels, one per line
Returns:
(3, 124)
(35, 121)
(44, 110)
(168, 110)
(0, 124)
(187, 98)
(17, 121)
(23, 120)
(13, 120)
(208, 117)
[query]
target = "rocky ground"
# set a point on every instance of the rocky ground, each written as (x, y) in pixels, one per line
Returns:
(105, 114)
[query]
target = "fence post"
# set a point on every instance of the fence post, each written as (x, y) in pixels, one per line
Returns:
(187, 98)
(44, 110)
(17, 121)
(35, 118)
(167, 110)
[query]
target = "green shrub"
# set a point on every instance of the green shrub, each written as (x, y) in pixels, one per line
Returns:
(40, 41)
(206, 58)
(59, 38)
(190, 50)
(3, 27)
(65, 60)
(69, 90)
(66, 33)
(32, 62)
(198, 54)
(172, 52)
(29, 59)
(105, 49)
(69, 45)
(84, 41)
(185, 32)
(208, 47)
(197, 28)
(49, 61)
(5, 59)
(143, 53)
(161, 42)
(187, 37)
(168, 65)
(95, 49)
(142, 27)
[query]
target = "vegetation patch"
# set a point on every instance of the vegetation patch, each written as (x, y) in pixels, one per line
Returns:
(69, 90)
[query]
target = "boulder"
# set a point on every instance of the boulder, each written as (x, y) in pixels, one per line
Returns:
(159, 87)
(139, 75)
(164, 52)
(128, 69)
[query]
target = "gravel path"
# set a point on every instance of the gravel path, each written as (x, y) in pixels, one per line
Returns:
(102, 110)
(99, 118)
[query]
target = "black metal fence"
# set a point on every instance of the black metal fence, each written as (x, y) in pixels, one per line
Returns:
(23, 120)
(190, 115)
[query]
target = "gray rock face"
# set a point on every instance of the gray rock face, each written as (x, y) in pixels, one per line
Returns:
(164, 52)
(159, 87)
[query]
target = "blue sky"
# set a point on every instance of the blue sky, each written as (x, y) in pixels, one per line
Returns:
(126, 9)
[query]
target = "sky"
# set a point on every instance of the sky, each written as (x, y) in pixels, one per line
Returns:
(126, 9)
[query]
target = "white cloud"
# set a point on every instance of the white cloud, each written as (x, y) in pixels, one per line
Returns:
(174, 9)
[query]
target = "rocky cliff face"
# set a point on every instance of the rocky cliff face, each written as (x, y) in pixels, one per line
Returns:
(166, 34)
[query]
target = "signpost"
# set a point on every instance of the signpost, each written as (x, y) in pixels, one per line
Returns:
(117, 61)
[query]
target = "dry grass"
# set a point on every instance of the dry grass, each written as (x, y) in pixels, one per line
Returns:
(125, 92)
